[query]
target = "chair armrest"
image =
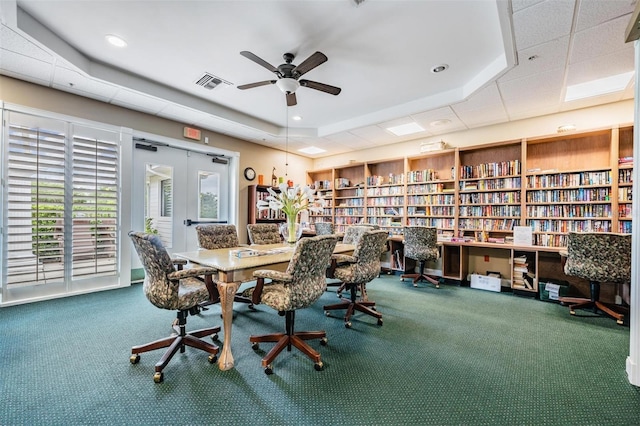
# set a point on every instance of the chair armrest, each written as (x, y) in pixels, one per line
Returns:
(273, 275)
(192, 272)
(344, 258)
(179, 263)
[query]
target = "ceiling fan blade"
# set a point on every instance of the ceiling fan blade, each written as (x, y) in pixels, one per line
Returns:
(291, 99)
(258, 84)
(310, 63)
(320, 86)
(259, 61)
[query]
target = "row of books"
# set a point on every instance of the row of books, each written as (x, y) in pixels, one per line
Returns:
(570, 210)
(564, 226)
(490, 210)
(560, 180)
(569, 195)
(488, 170)
(491, 184)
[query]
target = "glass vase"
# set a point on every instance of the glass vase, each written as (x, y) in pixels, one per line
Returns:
(291, 230)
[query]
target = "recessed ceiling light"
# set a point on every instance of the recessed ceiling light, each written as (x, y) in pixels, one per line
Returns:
(602, 86)
(115, 40)
(406, 129)
(439, 68)
(440, 122)
(296, 118)
(312, 150)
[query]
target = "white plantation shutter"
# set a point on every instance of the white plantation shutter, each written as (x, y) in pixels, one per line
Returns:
(61, 200)
(95, 203)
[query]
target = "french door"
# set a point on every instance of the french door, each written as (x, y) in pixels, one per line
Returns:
(175, 189)
(60, 207)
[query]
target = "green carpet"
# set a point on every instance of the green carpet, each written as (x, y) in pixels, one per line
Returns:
(448, 356)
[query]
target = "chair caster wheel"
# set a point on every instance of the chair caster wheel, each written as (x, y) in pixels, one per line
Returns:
(215, 337)
(158, 377)
(134, 359)
(619, 322)
(347, 324)
(324, 341)
(415, 284)
(402, 279)
(212, 359)
(319, 366)
(255, 346)
(572, 312)
(379, 321)
(268, 370)
(327, 313)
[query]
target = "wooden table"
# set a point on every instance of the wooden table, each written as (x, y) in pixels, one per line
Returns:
(233, 270)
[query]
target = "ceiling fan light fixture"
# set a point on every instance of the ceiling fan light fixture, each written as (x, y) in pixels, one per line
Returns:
(287, 85)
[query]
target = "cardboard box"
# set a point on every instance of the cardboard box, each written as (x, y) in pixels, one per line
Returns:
(483, 282)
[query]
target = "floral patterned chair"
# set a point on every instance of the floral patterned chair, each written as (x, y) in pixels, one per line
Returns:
(297, 288)
(168, 286)
(421, 244)
(212, 237)
(352, 236)
(356, 271)
(324, 228)
(264, 233)
(600, 258)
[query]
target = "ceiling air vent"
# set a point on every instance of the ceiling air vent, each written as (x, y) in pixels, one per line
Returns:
(210, 81)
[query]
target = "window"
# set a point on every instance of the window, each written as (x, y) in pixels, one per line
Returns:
(61, 202)
(208, 195)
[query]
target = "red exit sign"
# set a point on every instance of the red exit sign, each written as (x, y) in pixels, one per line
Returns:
(191, 133)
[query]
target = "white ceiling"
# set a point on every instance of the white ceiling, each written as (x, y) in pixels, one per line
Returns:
(507, 60)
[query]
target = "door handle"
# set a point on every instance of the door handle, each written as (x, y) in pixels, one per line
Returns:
(189, 222)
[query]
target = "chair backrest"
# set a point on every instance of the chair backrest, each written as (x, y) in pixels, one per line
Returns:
(308, 267)
(264, 233)
(353, 233)
(598, 256)
(157, 263)
(324, 228)
(421, 243)
(213, 237)
(368, 251)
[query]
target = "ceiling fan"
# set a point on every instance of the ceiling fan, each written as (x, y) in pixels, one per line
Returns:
(289, 74)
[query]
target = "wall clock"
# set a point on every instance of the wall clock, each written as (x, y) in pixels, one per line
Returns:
(249, 173)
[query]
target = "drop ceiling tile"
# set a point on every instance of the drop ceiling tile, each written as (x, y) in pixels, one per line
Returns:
(542, 22)
(348, 139)
(482, 108)
(80, 84)
(138, 101)
(523, 89)
(599, 40)
(438, 120)
(543, 56)
(26, 66)
(14, 42)
(592, 13)
(601, 66)
(517, 5)
(374, 134)
(182, 114)
(532, 111)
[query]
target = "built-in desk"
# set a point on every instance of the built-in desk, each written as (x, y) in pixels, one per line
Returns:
(459, 259)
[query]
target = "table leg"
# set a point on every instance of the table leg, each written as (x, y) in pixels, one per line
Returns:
(227, 292)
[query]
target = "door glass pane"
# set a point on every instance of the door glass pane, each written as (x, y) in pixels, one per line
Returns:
(208, 195)
(158, 203)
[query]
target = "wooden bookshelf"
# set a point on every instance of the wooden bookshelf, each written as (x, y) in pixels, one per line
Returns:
(555, 184)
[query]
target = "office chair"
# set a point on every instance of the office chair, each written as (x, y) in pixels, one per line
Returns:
(351, 236)
(600, 258)
(264, 233)
(355, 271)
(421, 244)
(297, 288)
(212, 237)
(324, 228)
(170, 287)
